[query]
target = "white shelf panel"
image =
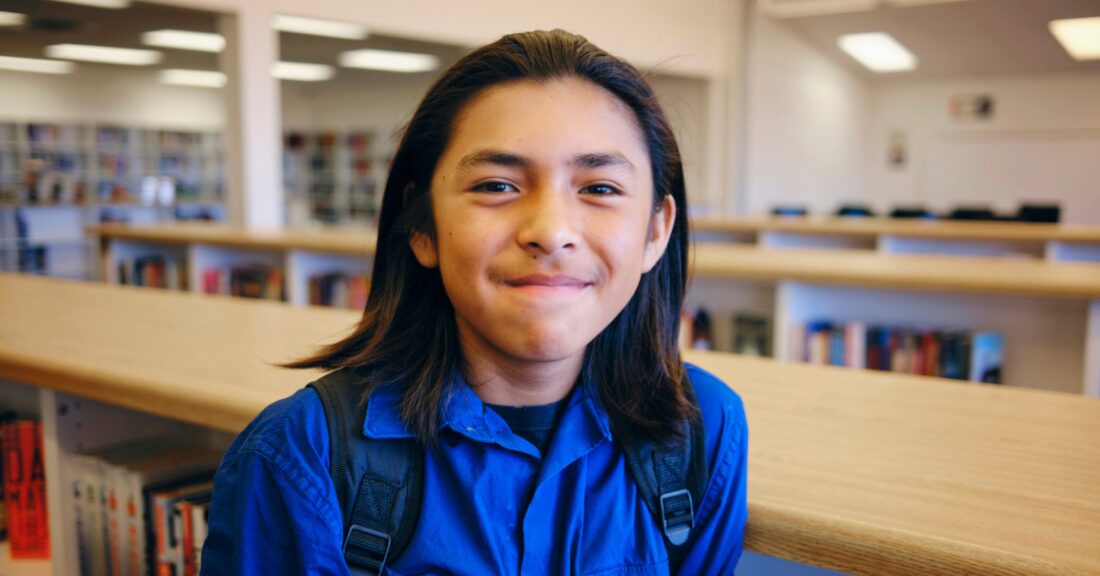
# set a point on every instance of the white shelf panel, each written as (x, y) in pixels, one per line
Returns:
(987, 248)
(1042, 336)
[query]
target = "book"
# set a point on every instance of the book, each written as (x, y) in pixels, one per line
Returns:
(955, 356)
(200, 516)
(25, 489)
(855, 345)
(751, 335)
(184, 531)
(162, 505)
(986, 357)
(5, 417)
(134, 467)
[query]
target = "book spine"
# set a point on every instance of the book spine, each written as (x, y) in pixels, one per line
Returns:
(164, 566)
(25, 487)
(186, 564)
(198, 532)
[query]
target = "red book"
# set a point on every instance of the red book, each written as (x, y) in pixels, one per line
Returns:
(25, 489)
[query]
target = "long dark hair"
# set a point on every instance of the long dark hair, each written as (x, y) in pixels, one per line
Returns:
(408, 333)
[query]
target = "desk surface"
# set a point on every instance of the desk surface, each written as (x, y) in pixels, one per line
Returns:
(985, 275)
(945, 229)
(344, 240)
(863, 472)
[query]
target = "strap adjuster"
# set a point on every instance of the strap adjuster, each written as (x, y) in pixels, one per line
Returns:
(677, 515)
(366, 548)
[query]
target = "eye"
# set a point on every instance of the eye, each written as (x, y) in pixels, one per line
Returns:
(495, 187)
(601, 190)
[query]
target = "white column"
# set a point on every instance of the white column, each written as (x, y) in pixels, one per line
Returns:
(736, 97)
(253, 119)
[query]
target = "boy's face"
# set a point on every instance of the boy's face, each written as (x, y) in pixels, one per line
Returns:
(544, 216)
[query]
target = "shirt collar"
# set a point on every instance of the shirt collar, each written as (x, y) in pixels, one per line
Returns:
(465, 413)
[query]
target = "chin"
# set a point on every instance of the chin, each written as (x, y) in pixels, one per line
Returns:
(543, 347)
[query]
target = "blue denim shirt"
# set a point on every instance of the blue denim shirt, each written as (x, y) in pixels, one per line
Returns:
(491, 504)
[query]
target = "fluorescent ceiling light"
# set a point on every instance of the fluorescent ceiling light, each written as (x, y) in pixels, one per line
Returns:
(115, 4)
(36, 65)
(104, 54)
(200, 78)
(803, 8)
(388, 60)
(12, 19)
(318, 27)
(918, 2)
(302, 71)
(878, 51)
(1079, 36)
(184, 40)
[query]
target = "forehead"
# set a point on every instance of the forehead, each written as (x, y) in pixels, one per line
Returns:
(565, 116)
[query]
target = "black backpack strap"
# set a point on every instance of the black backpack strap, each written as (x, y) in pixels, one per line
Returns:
(379, 482)
(671, 479)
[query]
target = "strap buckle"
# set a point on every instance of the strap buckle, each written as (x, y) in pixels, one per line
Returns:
(677, 515)
(366, 548)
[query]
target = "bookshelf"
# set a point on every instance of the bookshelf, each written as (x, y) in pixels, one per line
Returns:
(1054, 242)
(334, 176)
(1046, 309)
(58, 177)
(859, 472)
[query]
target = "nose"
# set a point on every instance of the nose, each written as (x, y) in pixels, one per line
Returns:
(548, 223)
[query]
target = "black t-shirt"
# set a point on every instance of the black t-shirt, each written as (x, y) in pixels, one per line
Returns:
(532, 423)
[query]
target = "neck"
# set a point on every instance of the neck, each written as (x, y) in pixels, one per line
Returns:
(503, 380)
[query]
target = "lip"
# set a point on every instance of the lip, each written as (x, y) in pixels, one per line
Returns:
(546, 281)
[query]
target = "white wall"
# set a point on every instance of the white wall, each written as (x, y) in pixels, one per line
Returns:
(1043, 143)
(127, 97)
(805, 122)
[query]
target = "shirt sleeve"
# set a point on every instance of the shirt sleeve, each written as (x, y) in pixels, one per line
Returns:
(716, 543)
(267, 517)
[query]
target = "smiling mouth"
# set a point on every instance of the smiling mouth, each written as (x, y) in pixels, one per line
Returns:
(549, 282)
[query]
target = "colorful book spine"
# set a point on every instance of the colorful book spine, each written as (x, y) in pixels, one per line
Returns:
(25, 490)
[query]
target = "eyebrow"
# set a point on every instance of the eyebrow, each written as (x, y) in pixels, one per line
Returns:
(506, 159)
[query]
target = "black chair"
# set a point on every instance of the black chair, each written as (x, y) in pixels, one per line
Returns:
(912, 212)
(1048, 213)
(789, 211)
(978, 213)
(855, 211)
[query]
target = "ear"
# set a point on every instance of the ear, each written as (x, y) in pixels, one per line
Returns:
(660, 230)
(424, 249)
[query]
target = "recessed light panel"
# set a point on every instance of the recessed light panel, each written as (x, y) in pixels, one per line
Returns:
(104, 54)
(200, 78)
(878, 51)
(388, 60)
(113, 4)
(184, 40)
(318, 27)
(1079, 36)
(12, 19)
(302, 72)
(38, 65)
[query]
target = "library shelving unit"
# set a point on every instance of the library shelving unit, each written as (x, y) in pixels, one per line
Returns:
(334, 176)
(57, 178)
(1055, 242)
(299, 254)
(858, 472)
(1049, 311)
